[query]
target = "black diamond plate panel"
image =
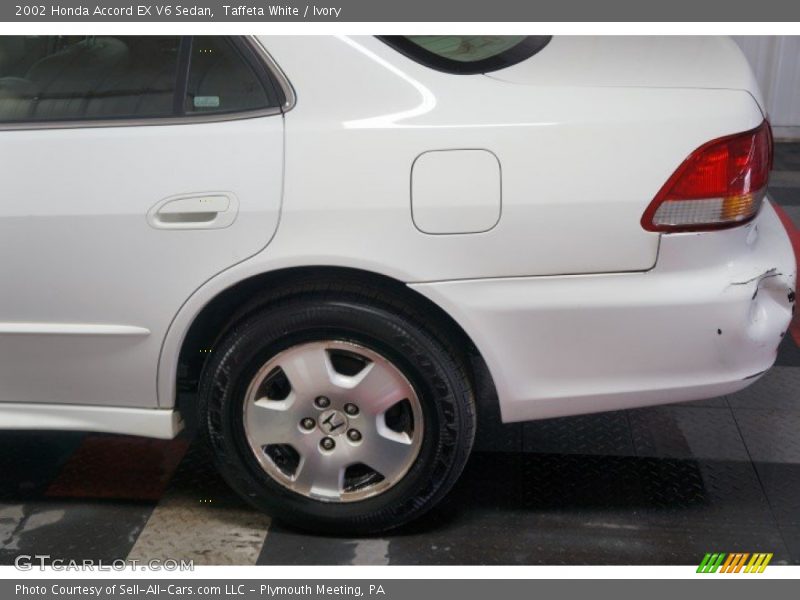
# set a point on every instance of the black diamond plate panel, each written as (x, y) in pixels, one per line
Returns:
(685, 432)
(778, 389)
(509, 539)
(656, 490)
(718, 402)
(770, 435)
(494, 436)
(791, 537)
(781, 483)
(602, 434)
(559, 509)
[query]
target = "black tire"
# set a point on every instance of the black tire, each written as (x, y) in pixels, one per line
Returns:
(421, 349)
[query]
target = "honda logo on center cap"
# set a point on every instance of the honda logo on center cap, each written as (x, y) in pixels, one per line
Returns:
(333, 422)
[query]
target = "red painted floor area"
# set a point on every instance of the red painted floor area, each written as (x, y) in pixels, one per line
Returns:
(119, 467)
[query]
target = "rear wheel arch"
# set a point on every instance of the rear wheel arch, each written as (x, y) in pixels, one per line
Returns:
(242, 299)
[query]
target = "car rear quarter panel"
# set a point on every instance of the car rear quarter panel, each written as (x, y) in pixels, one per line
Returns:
(579, 164)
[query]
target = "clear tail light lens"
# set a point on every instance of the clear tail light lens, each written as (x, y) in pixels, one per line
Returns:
(722, 184)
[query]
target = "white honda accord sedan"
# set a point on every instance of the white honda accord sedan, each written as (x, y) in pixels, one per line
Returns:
(339, 242)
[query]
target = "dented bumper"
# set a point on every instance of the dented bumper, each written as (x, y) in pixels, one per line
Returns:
(705, 321)
(770, 300)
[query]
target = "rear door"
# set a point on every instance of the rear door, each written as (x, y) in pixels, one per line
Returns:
(134, 169)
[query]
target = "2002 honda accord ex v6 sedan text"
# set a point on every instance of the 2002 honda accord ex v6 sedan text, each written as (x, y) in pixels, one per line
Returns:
(344, 245)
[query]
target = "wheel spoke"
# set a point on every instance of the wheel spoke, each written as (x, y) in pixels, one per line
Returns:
(272, 422)
(319, 475)
(379, 388)
(388, 452)
(308, 369)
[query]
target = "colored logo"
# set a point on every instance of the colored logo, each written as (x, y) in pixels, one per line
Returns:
(736, 562)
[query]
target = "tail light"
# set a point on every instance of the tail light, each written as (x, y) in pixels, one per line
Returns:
(721, 184)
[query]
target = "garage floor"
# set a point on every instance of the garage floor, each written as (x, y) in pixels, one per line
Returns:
(650, 486)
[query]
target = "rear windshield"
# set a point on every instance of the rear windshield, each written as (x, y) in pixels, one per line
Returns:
(467, 54)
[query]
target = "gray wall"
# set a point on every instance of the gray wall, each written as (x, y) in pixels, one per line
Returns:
(776, 62)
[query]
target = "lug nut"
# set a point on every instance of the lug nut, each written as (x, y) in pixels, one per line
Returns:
(327, 443)
(308, 424)
(351, 409)
(322, 402)
(354, 435)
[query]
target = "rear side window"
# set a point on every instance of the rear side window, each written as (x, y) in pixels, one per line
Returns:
(55, 78)
(467, 54)
(220, 80)
(82, 78)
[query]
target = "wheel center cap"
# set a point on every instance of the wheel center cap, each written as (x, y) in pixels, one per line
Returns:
(333, 422)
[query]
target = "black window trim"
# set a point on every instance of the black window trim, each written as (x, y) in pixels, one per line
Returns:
(182, 75)
(525, 49)
(249, 47)
(265, 68)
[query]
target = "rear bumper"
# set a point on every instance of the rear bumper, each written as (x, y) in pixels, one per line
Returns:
(706, 321)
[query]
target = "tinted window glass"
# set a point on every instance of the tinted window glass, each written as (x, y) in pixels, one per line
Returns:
(467, 54)
(221, 80)
(56, 78)
(466, 48)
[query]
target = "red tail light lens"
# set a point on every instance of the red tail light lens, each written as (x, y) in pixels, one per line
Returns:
(721, 184)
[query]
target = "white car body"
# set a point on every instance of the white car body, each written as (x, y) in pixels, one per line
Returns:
(511, 200)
